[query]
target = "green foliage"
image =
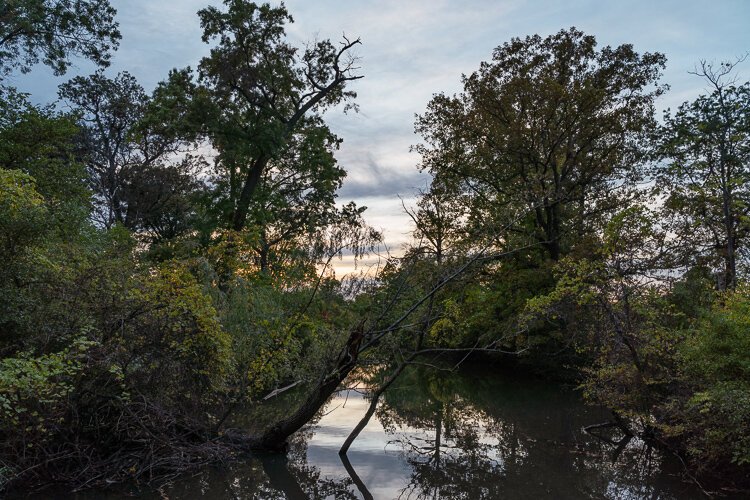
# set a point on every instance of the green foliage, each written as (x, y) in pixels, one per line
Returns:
(41, 143)
(449, 329)
(719, 349)
(23, 225)
(487, 314)
(705, 172)
(176, 334)
(51, 31)
(280, 336)
(22, 213)
(545, 140)
(716, 361)
(35, 390)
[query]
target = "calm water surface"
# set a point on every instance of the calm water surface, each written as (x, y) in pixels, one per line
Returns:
(439, 434)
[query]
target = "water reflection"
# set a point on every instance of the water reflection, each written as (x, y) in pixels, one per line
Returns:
(477, 436)
(440, 434)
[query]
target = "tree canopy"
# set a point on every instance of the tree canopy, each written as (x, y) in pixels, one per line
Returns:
(53, 31)
(705, 170)
(548, 133)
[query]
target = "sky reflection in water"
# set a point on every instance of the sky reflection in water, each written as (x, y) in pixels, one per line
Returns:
(437, 434)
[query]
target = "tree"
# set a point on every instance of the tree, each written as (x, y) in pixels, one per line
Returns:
(51, 31)
(164, 199)
(705, 172)
(41, 142)
(552, 128)
(439, 222)
(295, 201)
(257, 96)
(138, 170)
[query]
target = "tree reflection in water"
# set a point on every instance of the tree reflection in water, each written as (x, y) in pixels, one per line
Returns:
(470, 435)
(438, 434)
(267, 476)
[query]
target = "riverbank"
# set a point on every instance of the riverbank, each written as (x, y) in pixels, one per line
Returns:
(472, 433)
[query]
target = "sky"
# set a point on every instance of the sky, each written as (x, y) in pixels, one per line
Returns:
(413, 49)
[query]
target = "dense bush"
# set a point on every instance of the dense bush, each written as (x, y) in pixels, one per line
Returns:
(715, 360)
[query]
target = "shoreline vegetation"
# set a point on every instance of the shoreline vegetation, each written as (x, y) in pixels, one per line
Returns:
(149, 294)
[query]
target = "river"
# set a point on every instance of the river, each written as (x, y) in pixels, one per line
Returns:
(442, 434)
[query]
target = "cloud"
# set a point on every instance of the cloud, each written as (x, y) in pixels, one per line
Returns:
(412, 50)
(377, 180)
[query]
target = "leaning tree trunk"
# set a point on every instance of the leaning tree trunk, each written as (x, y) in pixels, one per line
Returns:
(275, 437)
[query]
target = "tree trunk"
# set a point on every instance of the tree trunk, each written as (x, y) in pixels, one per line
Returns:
(438, 436)
(263, 251)
(275, 437)
(366, 495)
(246, 195)
(730, 262)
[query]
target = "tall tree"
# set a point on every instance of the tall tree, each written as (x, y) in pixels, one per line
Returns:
(295, 199)
(705, 172)
(549, 128)
(257, 95)
(138, 170)
(52, 31)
